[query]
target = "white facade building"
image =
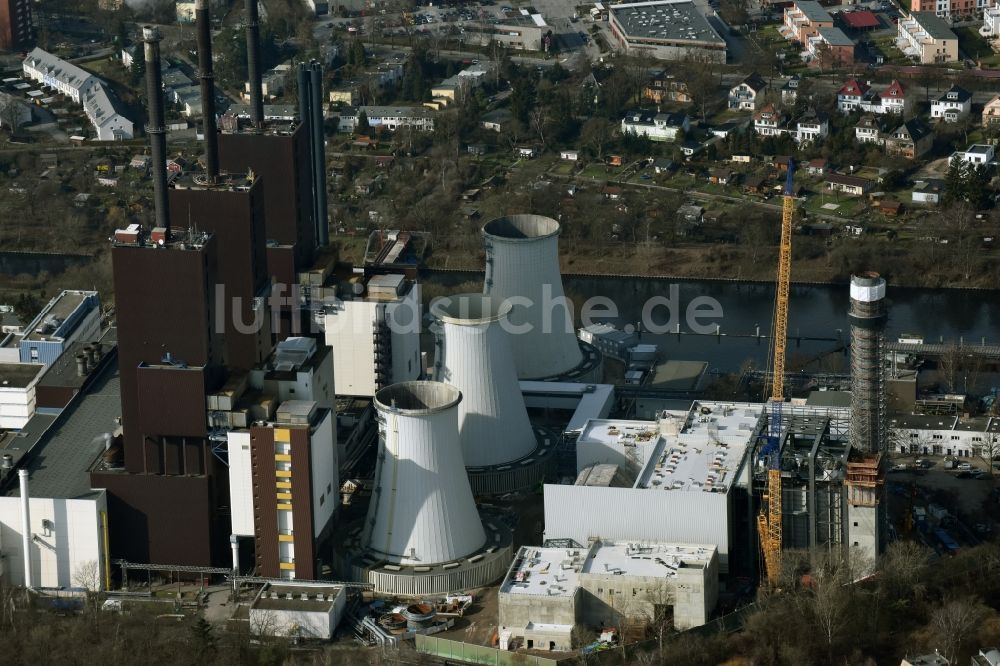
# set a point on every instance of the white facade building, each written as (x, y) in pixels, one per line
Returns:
(991, 22)
(977, 154)
(17, 393)
(945, 435)
(375, 336)
(693, 462)
(656, 126)
(953, 105)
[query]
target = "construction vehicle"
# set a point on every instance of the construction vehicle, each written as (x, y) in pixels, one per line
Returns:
(769, 519)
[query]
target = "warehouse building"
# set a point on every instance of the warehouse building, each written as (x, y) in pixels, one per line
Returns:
(298, 610)
(551, 593)
(667, 30)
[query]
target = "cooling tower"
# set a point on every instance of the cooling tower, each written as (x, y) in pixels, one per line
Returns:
(522, 262)
(422, 511)
(474, 356)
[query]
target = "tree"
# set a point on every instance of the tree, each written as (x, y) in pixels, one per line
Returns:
(954, 623)
(362, 128)
(203, 638)
(356, 54)
(596, 135)
(523, 97)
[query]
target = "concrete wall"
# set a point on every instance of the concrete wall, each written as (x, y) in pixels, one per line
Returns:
(325, 477)
(68, 539)
(519, 610)
(305, 624)
(240, 483)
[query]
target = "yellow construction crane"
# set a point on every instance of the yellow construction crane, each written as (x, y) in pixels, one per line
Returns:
(769, 519)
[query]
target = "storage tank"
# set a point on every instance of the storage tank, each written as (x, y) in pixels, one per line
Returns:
(474, 355)
(422, 511)
(522, 263)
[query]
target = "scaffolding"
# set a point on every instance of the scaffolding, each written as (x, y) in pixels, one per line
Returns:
(869, 429)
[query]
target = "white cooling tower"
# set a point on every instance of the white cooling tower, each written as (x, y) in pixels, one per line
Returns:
(474, 355)
(422, 511)
(522, 262)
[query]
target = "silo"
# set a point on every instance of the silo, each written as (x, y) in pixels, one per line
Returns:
(422, 511)
(522, 264)
(474, 355)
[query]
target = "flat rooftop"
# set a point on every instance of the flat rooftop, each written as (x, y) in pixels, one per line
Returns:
(813, 11)
(55, 313)
(19, 375)
(59, 464)
(556, 572)
(979, 149)
(670, 20)
(674, 375)
(287, 597)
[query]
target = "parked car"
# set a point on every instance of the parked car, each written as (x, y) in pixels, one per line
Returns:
(898, 467)
(965, 465)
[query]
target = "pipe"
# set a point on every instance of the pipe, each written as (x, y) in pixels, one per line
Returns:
(203, 21)
(155, 129)
(319, 169)
(234, 543)
(22, 475)
(253, 65)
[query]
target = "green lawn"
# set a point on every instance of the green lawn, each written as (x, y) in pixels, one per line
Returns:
(598, 171)
(974, 46)
(564, 168)
(846, 206)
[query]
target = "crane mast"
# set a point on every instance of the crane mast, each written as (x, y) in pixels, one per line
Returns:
(769, 520)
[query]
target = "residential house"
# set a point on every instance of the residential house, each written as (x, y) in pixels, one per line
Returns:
(869, 129)
(830, 46)
(390, 118)
(54, 72)
(953, 9)
(991, 22)
(722, 176)
(850, 94)
(853, 185)
(953, 105)
(912, 139)
(663, 87)
(991, 111)
(102, 111)
(663, 165)
(926, 38)
(656, 126)
(977, 153)
(496, 120)
(690, 147)
(803, 19)
(927, 191)
(748, 94)
(769, 121)
(818, 166)
(853, 96)
(811, 126)
(790, 91)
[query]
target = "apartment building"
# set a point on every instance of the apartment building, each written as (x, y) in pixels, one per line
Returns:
(803, 19)
(949, 8)
(927, 39)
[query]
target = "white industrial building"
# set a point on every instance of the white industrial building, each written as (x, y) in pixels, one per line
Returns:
(551, 593)
(374, 333)
(675, 479)
(298, 610)
(17, 393)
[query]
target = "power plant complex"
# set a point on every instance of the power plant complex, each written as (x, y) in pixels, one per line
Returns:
(357, 438)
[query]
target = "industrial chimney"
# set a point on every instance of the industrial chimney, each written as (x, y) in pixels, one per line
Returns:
(522, 262)
(422, 511)
(253, 65)
(203, 21)
(156, 129)
(22, 475)
(474, 356)
(867, 315)
(310, 79)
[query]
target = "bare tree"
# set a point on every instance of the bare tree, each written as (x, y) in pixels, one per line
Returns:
(955, 622)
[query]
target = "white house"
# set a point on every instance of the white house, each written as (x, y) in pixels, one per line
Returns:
(977, 153)
(811, 127)
(58, 74)
(854, 95)
(109, 125)
(945, 435)
(397, 117)
(656, 126)
(953, 105)
(748, 93)
(991, 22)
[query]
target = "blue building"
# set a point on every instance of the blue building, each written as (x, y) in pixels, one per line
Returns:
(72, 315)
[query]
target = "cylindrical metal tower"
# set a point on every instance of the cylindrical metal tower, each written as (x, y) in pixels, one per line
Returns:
(522, 264)
(253, 64)
(156, 129)
(422, 511)
(868, 401)
(203, 21)
(474, 356)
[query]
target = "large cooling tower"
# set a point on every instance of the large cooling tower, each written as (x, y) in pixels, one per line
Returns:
(522, 262)
(474, 355)
(422, 511)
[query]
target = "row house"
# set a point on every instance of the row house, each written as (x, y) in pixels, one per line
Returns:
(953, 105)
(809, 127)
(911, 139)
(949, 8)
(854, 96)
(926, 38)
(803, 19)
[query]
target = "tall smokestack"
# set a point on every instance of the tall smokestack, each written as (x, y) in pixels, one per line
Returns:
(868, 402)
(203, 21)
(22, 475)
(253, 65)
(319, 141)
(155, 129)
